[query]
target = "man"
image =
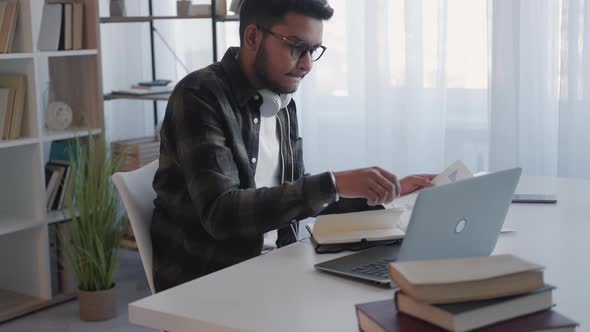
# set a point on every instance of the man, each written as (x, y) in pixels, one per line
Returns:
(231, 164)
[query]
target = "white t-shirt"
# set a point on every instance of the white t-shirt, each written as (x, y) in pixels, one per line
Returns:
(268, 164)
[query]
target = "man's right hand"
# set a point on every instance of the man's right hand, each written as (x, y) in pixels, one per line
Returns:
(375, 184)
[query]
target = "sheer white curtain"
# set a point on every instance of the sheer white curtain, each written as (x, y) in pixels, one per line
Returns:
(414, 85)
(540, 110)
(403, 85)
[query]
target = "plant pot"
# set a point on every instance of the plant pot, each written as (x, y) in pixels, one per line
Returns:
(98, 305)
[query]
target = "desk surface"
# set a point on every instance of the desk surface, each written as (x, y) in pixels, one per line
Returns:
(255, 295)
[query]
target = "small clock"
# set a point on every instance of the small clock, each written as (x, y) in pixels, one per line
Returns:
(59, 116)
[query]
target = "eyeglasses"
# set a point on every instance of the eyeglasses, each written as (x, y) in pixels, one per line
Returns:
(298, 48)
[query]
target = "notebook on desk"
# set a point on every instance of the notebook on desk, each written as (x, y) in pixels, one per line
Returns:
(355, 231)
(461, 219)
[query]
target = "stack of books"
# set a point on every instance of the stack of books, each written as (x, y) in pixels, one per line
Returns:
(8, 17)
(13, 91)
(62, 26)
(138, 90)
(135, 153)
(495, 293)
(59, 183)
(59, 178)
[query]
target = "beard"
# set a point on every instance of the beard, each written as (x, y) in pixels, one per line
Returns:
(262, 71)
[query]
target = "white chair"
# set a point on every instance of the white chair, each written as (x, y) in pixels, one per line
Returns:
(135, 189)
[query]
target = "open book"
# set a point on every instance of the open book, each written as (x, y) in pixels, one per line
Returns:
(455, 172)
(358, 229)
(377, 225)
(355, 231)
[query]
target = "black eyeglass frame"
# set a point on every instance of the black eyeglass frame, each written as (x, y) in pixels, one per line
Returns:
(306, 48)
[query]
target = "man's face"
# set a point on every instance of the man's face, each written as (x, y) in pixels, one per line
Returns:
(274, 64)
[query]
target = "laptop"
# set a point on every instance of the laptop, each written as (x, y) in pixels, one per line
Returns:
(460, 219)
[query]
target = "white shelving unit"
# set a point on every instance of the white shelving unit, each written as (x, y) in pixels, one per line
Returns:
(75, 76)
(10, 56)
(68, 53)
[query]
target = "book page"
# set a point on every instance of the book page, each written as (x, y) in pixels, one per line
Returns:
(455, 172)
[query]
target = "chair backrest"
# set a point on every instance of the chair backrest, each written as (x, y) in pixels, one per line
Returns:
(137, 193)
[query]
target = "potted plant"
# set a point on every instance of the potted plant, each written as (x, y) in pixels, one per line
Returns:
(96, 231)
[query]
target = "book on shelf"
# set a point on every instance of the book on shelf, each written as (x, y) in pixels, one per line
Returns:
(14, 105)
(49, 33)
(8, 18)
(2, 12)
(220, 7)
(204, 10)
(466, 316)
(200, 10)
(52, 178)
(143, 91)
(78, 26)
(466, 279)
(383, 316)
(69, 191)
(6, 102)
(53, 184)
(64, 183)
(67, 26)
(135, 153)
(61, 26)
(60, 188)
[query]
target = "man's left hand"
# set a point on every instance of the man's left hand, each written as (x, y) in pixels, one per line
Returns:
(415, 182)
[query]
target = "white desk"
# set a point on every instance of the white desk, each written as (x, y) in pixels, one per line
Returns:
(255, 295)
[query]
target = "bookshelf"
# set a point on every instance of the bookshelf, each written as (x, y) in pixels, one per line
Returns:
(12, 56)
(150, 18)
(134, 19)
(24, 221)
(161, 97)
(67, 53)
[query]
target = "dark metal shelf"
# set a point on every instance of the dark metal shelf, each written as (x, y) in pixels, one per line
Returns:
(139, 19)
(228, 18)
(135, 19)
(156, 97)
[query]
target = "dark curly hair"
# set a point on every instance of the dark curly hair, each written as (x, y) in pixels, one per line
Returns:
(266, 13)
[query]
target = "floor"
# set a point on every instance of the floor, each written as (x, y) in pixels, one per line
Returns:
(131, 285)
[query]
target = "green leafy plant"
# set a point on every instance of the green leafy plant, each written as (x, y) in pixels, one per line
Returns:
(96, 230)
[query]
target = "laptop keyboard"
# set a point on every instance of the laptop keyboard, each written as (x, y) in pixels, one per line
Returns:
(375, 269)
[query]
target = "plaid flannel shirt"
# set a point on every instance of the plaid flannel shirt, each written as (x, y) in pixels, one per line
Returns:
(208, 212)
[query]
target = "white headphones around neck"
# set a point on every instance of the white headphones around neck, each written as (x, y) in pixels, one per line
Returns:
(272, 102)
